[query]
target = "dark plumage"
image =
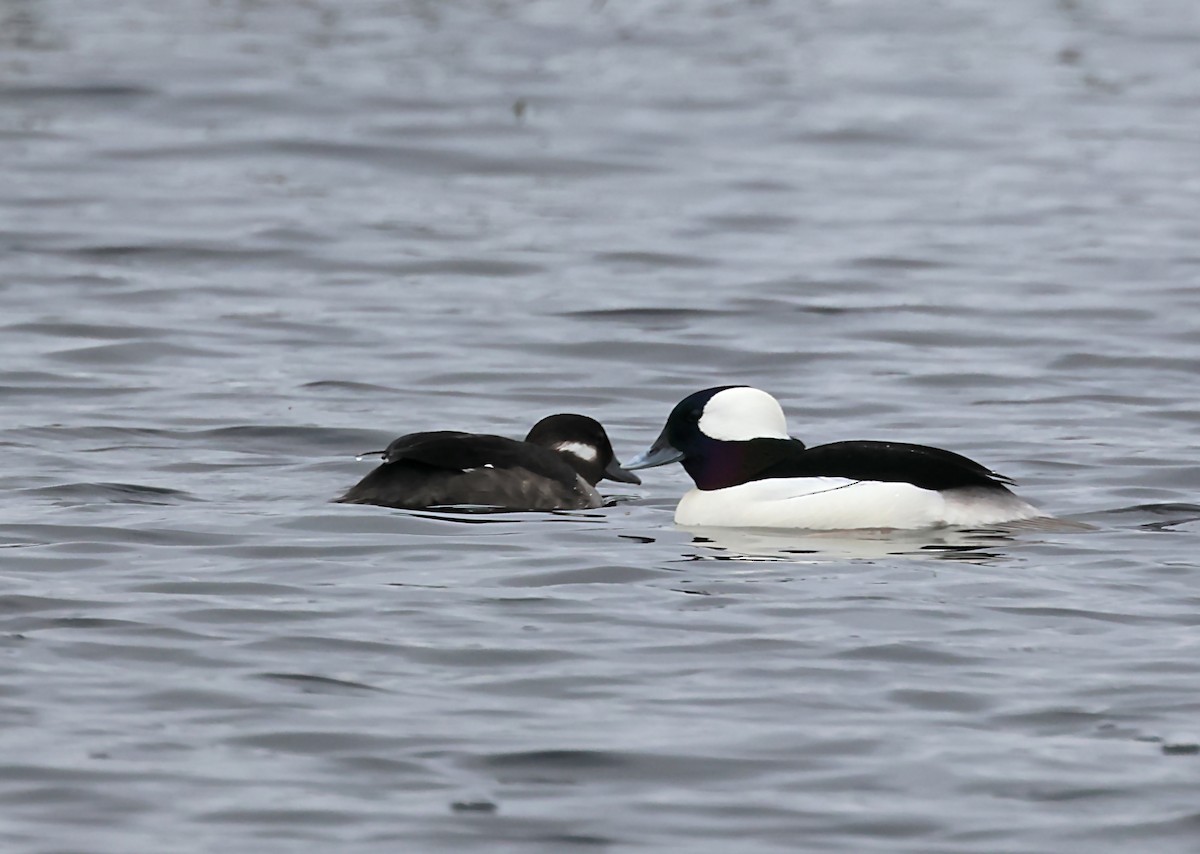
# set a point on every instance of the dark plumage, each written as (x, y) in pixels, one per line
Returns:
(760, 459)
(555, 468)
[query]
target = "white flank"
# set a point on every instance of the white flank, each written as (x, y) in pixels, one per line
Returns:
(578, 449)
(835, 503)
(739, 414)
(969, 506)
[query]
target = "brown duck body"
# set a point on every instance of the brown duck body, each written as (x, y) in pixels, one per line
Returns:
(555, 468)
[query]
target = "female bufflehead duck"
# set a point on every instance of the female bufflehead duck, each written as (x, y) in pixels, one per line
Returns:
(748, 472)
(556, 468)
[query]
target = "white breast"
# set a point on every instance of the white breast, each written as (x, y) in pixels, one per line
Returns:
(835, 503)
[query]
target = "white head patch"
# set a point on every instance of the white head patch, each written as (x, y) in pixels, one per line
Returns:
(740, 414)
(578, 449)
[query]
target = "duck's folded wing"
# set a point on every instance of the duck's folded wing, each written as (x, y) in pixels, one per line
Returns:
(451, 450)
(890, 462)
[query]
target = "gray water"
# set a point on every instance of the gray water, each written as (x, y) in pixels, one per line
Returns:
(243, 241)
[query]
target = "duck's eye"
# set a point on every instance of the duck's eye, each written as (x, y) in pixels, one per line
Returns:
(695, 413)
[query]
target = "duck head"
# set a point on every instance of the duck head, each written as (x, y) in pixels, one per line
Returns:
(583, 444)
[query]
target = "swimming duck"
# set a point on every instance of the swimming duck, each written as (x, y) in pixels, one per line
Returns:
(749, 472)
(557, 467)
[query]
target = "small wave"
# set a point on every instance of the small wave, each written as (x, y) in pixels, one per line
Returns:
(110, 493)
(311, 684)
(1149, 517)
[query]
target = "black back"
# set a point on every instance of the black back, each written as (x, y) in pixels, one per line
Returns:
(451, 450)
(725, 464)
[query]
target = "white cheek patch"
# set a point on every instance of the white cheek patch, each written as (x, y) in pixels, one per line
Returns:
(741, 414)
(578, 449)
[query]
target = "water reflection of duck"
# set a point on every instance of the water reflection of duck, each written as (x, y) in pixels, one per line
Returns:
(800, 546)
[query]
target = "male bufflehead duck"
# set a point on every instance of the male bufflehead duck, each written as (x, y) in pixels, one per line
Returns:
(748, 472)
(556, 468)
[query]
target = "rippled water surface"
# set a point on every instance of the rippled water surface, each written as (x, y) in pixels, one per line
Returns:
(241, 242)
